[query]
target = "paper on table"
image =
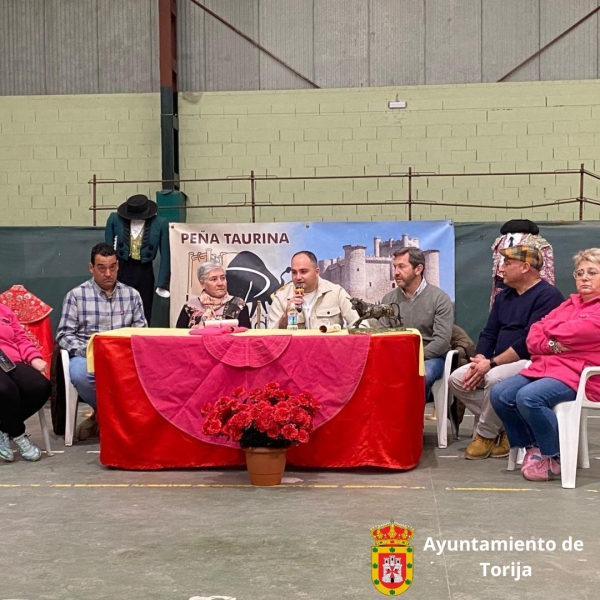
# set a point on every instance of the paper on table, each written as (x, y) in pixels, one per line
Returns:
(330, 328)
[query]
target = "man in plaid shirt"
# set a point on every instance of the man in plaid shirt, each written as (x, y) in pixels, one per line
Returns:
(100, 304)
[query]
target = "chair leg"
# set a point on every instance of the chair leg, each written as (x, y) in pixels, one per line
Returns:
(568, 416)
(441, 409)
(584, 452)
(45, 433)
(71, 416)
(512, 459)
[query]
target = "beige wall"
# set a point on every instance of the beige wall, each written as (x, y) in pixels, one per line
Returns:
(50, 147)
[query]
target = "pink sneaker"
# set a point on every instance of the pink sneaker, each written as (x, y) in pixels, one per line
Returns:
(530, 454)
(544, 469)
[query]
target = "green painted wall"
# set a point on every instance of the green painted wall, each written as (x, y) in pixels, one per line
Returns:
(50, 146)
(49, 261)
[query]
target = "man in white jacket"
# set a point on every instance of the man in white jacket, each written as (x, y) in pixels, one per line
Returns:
(321, 302)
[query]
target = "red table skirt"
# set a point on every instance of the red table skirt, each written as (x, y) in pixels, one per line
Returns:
(381, 425)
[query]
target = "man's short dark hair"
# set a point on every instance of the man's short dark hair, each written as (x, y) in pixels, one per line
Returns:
(102, 249)
(415, 256)
(311, 257)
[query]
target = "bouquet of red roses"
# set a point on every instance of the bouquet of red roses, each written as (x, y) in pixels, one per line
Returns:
(268, 417)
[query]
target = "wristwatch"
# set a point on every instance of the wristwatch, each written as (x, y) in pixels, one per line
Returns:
(554, 346)
(493, 363)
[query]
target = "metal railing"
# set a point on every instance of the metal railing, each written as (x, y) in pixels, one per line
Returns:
(410, 202)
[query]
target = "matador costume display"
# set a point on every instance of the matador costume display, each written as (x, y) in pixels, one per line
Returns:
(33, 316)
(524, 232)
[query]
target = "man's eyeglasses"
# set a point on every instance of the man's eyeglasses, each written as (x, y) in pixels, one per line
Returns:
(580, 274)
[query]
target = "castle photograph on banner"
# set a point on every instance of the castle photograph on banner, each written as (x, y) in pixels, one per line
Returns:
(256, 257)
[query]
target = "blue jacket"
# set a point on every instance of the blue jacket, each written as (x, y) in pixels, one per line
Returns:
(511, 317)
(155, 238)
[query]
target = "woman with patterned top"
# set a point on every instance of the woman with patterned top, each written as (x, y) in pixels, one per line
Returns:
(214, 303)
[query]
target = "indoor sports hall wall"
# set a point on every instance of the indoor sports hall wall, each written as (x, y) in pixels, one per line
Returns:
(50, 146)
(49, 261)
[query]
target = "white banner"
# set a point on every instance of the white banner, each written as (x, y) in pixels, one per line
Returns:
(256, 256)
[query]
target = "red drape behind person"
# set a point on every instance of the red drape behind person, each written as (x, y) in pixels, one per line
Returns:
(33, 314)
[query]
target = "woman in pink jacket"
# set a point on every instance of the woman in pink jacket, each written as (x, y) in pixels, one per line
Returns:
(562, 344)
(23, 388)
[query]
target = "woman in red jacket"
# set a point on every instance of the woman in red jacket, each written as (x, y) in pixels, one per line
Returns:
(23, 388)
(562, 344)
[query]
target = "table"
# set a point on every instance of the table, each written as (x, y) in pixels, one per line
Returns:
(379, 424)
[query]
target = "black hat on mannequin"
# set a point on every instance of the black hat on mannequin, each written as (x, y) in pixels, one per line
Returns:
(519, 226)
(138, 207)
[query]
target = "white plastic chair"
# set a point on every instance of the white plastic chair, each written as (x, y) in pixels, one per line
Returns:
(440, 400)
(515, 457)
(70, 400)
(45, 433)
(572, 432)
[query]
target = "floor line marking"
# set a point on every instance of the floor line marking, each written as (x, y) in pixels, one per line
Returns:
(390, 487)
(210, 485)
(490, 489)
(111, 485)
(248, 485)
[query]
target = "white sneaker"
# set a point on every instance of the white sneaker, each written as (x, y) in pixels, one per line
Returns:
(6, 452)
(27, 449)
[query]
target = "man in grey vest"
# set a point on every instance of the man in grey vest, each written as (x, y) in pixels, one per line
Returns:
(422, 306)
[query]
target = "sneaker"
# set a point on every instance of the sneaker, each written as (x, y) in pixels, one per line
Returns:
(530, 454)
(502, 447)
(27, 449)
(6, 452)
(544, 469)
(87, 429)
(480, 448)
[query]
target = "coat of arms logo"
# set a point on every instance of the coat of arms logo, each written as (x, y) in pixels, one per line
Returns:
(392, 558)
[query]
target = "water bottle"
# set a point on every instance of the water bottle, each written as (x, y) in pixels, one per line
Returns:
(292, 319)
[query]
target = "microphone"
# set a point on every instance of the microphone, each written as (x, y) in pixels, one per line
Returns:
(232, 309)
(299, 290)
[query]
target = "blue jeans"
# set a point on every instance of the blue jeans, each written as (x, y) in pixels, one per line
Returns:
(84, 382)
(525, 406)
(434, 370)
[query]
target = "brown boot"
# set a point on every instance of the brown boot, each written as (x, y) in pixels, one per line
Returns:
(479, 448)
(502, 447)
(88, 429)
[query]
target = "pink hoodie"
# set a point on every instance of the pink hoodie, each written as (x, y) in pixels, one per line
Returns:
(14, 340)
(576, 325)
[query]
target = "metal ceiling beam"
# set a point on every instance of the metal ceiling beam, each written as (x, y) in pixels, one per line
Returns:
(169, 114)
(254, 43)
(550, 43)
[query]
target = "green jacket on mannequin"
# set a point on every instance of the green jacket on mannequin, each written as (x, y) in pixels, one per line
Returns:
(155, 238)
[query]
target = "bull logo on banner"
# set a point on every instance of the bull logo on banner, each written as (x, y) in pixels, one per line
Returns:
(247, 277)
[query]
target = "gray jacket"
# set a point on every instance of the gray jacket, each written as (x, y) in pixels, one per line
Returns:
(431, 312)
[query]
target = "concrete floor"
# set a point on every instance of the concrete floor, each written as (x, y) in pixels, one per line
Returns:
(72, 529)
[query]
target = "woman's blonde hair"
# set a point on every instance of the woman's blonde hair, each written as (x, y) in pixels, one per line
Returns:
(590, 255)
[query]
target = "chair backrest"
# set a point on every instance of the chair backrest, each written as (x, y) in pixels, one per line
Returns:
(587, 373)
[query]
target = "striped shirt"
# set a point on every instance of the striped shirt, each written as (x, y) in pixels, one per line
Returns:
(88, 310)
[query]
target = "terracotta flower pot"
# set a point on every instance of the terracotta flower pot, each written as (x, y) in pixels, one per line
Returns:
(265, 465)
